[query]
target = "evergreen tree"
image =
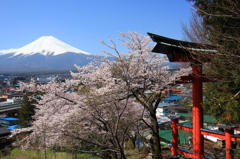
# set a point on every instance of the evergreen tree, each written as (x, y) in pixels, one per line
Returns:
(223, 101)
(220, 27)
(26, 111)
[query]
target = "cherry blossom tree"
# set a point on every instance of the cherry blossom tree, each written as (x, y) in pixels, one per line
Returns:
(144, 75)
(89, 116)
(109, 97)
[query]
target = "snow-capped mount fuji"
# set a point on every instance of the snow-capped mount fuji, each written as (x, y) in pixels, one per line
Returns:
(45, 45)
(47, 53)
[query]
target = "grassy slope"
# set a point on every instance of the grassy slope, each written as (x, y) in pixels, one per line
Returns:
(16, 153)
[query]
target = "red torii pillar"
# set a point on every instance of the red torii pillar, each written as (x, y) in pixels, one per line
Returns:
(228, 141)
(174, 137)
(197, 110)
(196, 78)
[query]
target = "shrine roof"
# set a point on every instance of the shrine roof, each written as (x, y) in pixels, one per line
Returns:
(178, 50)
(170, 41)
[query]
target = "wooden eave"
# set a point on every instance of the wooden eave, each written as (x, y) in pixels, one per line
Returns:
(176, 50)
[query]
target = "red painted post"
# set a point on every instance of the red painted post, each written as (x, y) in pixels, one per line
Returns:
(228, 142)
(174, 137)
(198, 144)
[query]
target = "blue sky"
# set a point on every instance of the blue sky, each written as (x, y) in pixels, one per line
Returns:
(81, 23)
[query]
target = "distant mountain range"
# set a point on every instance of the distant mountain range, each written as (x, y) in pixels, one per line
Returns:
(44, 54)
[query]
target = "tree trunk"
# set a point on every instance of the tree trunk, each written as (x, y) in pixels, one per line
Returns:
(121, 149)
(122, 155)
(155, 140)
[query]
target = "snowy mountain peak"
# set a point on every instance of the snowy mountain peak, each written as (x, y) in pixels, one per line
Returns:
(45, 45)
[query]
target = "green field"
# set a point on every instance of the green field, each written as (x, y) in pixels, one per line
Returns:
(16, 153)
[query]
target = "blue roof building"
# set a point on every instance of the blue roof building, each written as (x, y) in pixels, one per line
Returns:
(10, 123)
(172, 98)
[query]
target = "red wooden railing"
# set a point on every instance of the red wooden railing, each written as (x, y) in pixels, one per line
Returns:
(228, 136)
